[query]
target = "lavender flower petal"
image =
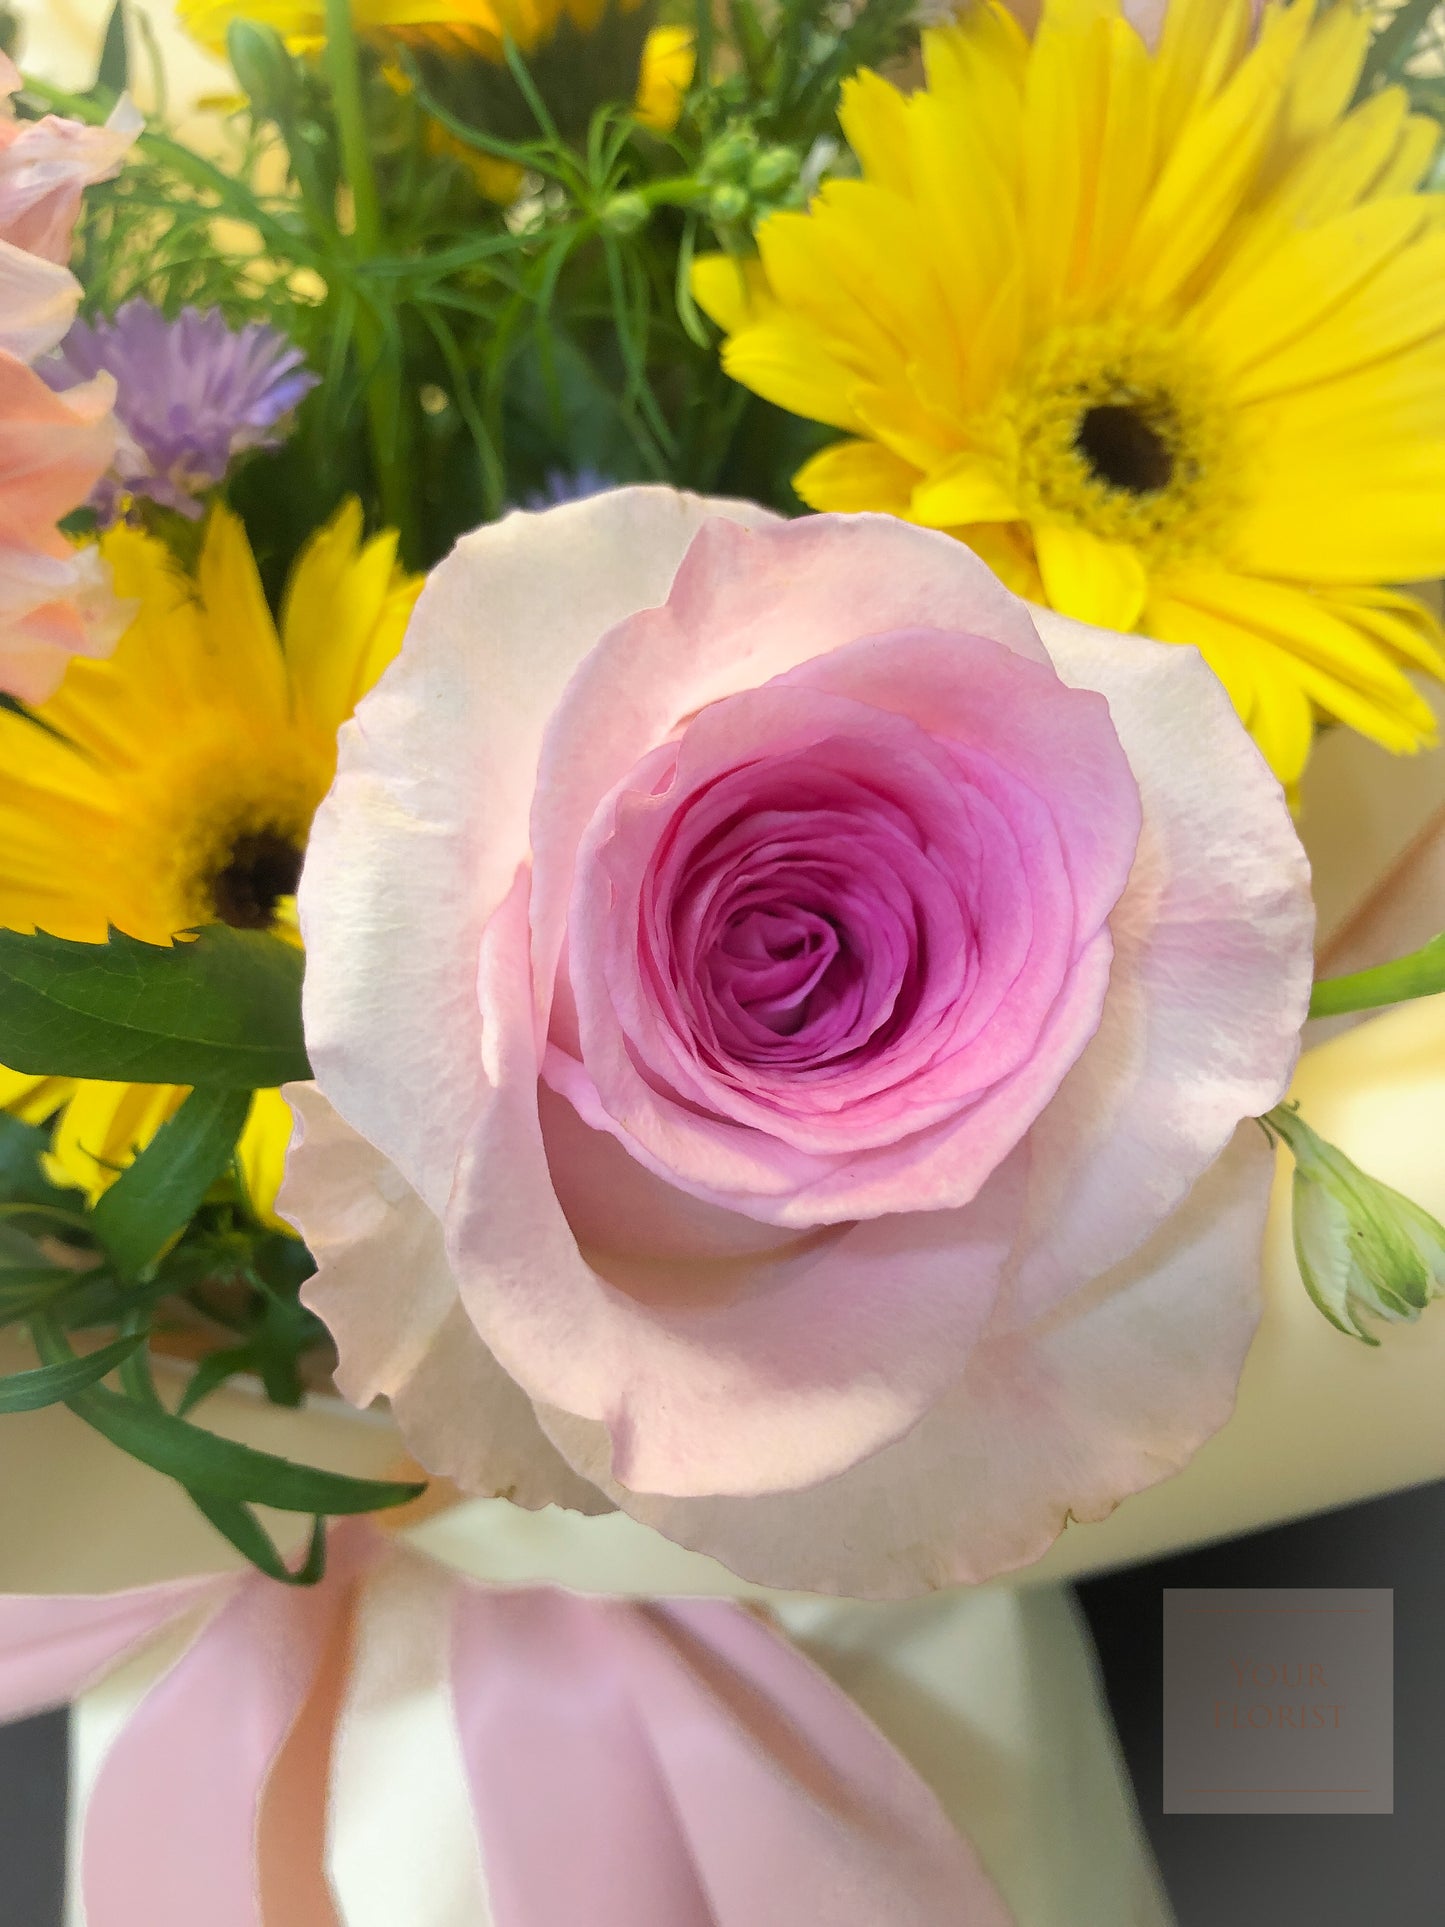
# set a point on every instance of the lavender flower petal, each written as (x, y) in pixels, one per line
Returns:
(191, 394)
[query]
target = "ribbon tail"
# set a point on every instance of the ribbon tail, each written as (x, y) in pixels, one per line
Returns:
(700, 1770)
(52, 1649)
(170, 1836)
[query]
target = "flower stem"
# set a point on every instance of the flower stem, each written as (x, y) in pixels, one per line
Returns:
(1421, 974)
(381, 369)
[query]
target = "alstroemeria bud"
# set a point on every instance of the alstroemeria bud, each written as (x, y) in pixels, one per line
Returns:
(1364, 1251)
(262, 65)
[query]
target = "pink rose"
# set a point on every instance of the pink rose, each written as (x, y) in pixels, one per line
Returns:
(782, 1024)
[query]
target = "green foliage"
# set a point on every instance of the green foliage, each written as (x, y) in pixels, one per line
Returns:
(158, 1193)
(222, 1009)
(1408, 51)
(470, 351)
(48, 1384)
(474, 352)
(1420, 974)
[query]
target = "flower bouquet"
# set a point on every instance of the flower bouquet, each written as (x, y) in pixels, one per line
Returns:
(664, 668)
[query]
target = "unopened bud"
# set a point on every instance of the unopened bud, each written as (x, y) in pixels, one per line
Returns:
(1364, 1251)
(729, 158)
(728, 204)
(775, 169)
(263, 67)
(625, 214)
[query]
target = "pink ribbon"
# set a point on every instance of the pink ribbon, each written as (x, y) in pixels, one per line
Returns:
(673, 1762)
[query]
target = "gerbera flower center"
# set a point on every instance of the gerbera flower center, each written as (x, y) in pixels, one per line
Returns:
(1117, 428)
(229, 836)
(1125, 449)
(262, 867)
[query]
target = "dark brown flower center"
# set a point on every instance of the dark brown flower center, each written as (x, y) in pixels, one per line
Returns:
(1124, 449)
(261, 867)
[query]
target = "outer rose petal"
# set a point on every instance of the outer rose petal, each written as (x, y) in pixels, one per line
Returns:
(406, 862)
(383, 1289)
(1213, 965)
(1114, 1392)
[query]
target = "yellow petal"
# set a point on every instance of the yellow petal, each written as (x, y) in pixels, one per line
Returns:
(966, 491)
(669, 56)
(730, 292)
(33, 1099)
(783, 360)
(346, 608)
(1100, 582)
(261, 1155)
(874, 118)
(851, 477)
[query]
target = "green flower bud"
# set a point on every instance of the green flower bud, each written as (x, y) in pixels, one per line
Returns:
(775, 169)
(730, 157)
(728, 204)
(625, 214)
(263, 67)
(1364, 1251)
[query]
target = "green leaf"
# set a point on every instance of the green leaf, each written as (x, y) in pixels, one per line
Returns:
(223, 1009)
(213, 1372)
(157, 1195)
(49, 1384)
(1394, 44)
(113, 74)
(216, 1467)
(26, 1289)
(22, 1178)
(1420, 974)
(251, 1539)
(220, 1468)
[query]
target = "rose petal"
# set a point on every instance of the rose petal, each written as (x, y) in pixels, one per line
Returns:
(383, 1289)
(1213, 964)
(755, 598)
(746, 1375)
(1065, 1418)
(405, 862)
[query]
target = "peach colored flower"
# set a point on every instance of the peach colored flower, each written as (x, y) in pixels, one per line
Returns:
(783, 1015)
(45, 167)
(55, 599)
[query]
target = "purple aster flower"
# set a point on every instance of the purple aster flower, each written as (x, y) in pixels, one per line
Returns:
(191, 395)
(563, 485)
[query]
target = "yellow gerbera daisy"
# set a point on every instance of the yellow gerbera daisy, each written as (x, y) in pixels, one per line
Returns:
(467, 30)
(174, 785)
(1160, 334)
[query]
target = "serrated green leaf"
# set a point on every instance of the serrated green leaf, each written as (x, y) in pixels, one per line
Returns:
(158, 1193)
(49, 1384)
(223, 1009)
